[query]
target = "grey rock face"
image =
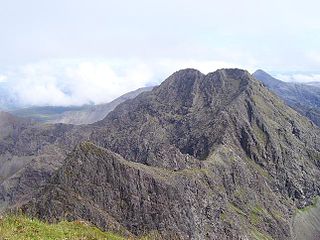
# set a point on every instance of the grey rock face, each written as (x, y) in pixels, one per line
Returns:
(29, 154)
(212, 156)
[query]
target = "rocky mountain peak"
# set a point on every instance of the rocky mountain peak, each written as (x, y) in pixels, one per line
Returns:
(188, 80)
(180, 112)
(267, 79)
(190, 88)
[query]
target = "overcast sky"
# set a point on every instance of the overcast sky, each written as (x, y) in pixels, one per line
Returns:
(66, 52)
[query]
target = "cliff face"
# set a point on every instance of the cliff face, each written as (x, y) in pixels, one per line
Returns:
(212, 156)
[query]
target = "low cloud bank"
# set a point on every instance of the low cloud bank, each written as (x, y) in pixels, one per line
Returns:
(299, 77)
(79, 82)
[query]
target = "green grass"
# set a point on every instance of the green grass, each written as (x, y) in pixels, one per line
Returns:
(259, 235)
(18, 227)
(257, 214)
(234, 208)
(260, 134)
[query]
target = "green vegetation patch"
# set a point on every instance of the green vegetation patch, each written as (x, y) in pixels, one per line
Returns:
(257, 214)
(23, 228)
(260, 134)
(234, 208)
(259, 235)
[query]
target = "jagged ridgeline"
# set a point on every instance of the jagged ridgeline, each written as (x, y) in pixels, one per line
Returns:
(213, 156)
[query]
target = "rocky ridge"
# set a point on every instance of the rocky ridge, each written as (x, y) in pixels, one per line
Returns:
(214, 156)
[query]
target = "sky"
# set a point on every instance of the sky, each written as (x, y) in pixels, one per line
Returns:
(74, 52)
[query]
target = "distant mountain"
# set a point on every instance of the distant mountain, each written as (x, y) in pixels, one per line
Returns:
(75, 115)
(304, 98)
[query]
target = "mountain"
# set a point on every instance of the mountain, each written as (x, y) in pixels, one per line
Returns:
(304, 98)
(214, 156)
(75, 115)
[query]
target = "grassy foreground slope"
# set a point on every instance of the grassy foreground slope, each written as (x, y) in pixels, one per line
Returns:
(23, 228)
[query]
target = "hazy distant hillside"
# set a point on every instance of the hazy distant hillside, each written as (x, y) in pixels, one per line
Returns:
(46, 113)
(94, 113)
(75, 115)
(304, 98)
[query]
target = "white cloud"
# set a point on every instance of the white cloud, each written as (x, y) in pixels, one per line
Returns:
(67, 82)
(299, 77)
(314, 56)
(3, 78)
(276, 39)
(75, 82)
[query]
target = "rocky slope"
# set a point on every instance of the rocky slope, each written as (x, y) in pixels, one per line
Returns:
(304, 98)
(212, 156)
(29, 153)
